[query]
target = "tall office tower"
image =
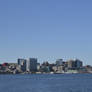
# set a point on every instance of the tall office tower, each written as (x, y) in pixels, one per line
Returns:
(59, 62)
(71, 64)
(78, 63)
(22, 64)
(31, 64)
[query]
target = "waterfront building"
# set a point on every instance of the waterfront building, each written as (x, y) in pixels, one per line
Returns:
(59, 69)
(88, 68)
(45, 63)
(71, 64)
(31, 64)
(45, 69)
(22, 64)
(55, 68)
(38, 66)
(13, 66)
(59, 62)
(75, 63)
(78, 63)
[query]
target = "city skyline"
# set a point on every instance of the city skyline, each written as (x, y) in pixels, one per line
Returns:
(32, 66)
(47, 30)
(56, 60)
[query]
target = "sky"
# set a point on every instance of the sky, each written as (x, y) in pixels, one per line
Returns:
(46, 29)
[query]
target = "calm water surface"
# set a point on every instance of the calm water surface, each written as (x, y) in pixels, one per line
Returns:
(46, 83)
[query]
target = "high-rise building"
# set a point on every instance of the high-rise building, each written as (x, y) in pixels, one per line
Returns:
(78, 63)
(22, 64)
(31, 64)
(71, 64)
(75, 63)
(59, 62)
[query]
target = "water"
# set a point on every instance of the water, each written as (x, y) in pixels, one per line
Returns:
(46, 83)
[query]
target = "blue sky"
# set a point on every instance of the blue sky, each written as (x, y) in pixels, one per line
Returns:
(46, 29)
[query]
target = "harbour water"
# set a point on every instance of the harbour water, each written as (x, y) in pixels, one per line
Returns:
(46, 83)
